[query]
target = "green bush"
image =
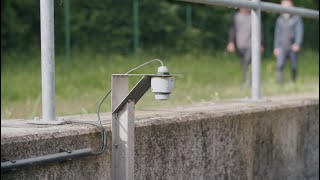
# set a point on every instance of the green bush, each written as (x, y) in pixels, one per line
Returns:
(107, 26)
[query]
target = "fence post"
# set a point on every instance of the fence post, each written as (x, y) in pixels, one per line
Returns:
(189, 16)
(255, 51)
(47, 60)
(122, 162)
(135, 8)
(67, 30)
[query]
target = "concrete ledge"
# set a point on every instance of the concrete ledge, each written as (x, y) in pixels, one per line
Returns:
(277, 138)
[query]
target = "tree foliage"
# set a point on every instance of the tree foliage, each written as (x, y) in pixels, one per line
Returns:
(107, 25)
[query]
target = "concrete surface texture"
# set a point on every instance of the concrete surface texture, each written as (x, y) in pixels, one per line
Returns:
(275, 138)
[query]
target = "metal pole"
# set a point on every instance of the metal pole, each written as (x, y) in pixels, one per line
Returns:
(255, 51)
(67, 31)
(189, 16)
(277, 8)
(264, 6)
(47, 59)
(122, 131)
(228, 3)
(123, 104)
(135, 7)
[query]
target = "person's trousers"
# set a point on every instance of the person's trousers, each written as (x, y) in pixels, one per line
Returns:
(281, 61)
(245, 61)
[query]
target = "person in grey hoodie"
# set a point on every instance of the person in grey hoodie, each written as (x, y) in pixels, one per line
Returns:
(240, 40)
(287, 41)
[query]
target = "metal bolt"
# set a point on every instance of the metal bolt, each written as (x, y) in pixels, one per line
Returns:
(36, 118)
(60, 118)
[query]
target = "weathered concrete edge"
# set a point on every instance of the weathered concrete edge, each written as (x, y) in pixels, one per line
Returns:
(173, 116)
(196, 116)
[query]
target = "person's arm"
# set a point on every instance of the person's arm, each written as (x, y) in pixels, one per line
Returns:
(262, 38)
(232, 36)
(232, 31)
(277, 32)
(298, 32)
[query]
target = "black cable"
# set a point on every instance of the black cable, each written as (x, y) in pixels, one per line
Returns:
(103, 146)
(103, 134)
(133, 69)
(98, 110)
(76, 153)
(103, 131)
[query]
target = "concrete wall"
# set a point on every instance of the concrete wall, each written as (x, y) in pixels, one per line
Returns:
(273, 139)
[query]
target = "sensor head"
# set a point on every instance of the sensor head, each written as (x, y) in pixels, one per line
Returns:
(162, 85)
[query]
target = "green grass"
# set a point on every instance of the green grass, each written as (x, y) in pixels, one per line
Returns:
(82, 83)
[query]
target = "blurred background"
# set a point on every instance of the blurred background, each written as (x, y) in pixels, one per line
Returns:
(97, 38)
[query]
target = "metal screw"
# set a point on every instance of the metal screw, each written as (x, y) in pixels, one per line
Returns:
(36, 118)
(61, 119)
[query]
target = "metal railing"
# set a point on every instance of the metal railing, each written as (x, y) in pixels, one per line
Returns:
(256, 7)
(263, 6)
(47, 44)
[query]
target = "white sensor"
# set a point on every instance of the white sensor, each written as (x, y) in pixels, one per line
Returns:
(162, 84)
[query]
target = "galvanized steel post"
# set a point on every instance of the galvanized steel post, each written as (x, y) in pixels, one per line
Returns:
(122, 165)
(122, 104)
(47, 59)
(255, 51)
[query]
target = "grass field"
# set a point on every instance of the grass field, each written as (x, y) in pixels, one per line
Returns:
(81, 83)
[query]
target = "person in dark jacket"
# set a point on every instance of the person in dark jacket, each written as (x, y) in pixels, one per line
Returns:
(240, 40)
(287, 41)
